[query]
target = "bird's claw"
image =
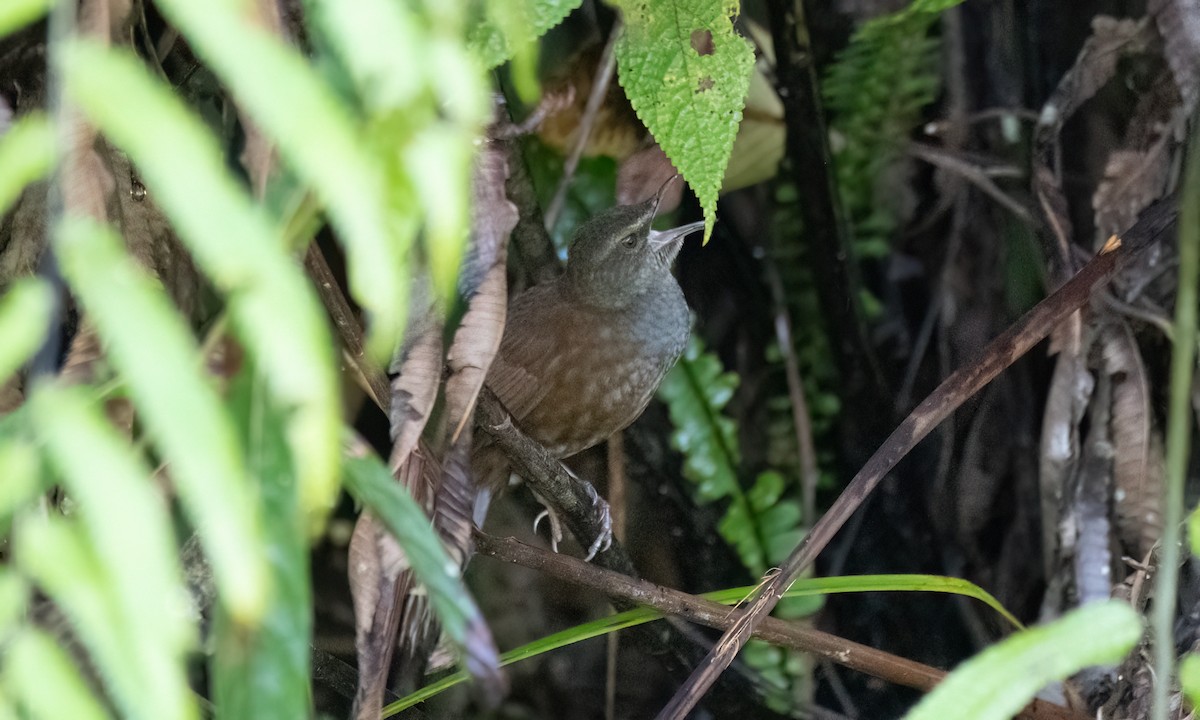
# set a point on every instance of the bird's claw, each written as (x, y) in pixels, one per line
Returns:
(602, 542)
(556, 533)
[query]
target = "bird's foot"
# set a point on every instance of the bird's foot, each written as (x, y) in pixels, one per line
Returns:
(548, 513)
(603, 540)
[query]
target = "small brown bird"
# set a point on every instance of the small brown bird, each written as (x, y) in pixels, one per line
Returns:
(583, 354)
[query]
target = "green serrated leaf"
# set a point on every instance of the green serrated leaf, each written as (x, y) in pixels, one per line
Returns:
(686, 73)
(507, 25)
(160, 361)
(275, 310)
(998, 682)
(26, 155)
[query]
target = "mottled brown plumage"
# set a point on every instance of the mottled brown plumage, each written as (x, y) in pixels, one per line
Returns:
(583, 354)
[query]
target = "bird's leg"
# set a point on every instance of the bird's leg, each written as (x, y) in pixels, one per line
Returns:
(603, 540)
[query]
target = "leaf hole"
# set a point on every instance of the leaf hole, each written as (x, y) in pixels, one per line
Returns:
(702, 42)
(706, 83)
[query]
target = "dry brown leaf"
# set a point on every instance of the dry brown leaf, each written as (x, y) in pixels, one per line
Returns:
(641, 175)
(1179, 23)
(1137, 174)
(617, 132)
(415, 388)
(1138, 460)
(1132, 180)
(376, 561)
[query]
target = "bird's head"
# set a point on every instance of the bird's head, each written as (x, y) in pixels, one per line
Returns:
(615, 257)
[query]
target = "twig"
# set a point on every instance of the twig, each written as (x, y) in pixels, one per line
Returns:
(617, 501)
(801, 418)
(711, 614)
(1010, 345)
(973, 174)
(347, 326)
(604, 73)
(574, 498)
(798, 636)
(1179, 432)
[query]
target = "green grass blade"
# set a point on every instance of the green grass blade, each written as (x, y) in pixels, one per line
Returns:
(805, 587)
(138, 560)
(276, 312)
(26, 155)
(998, 682)
(265, 674)
(24, 317)
(41, 677)
(160, 361)
(319, 139)
(371, 484)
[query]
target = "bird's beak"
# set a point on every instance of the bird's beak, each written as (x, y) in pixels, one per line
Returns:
(667, 242)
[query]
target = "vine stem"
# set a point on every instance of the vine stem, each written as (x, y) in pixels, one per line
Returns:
(1179, 430)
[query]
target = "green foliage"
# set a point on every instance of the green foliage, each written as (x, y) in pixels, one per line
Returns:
(875, 93)
(127, 307)
(26, 154)
(998, 682)
(686, 73)
(113, 578)
(1189, 678)
(255, 466)
(233, 242)
(508, 25)
(16, 14)
(802, 588)
(24, 312)
(696, 391)
(371, 484)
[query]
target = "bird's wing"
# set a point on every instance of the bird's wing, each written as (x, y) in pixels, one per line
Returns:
(519, 370)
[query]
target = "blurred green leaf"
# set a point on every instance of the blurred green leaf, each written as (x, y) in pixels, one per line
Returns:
(14, 594)
(58, 557)
(686, 72)
(160, 361)
(1189, 678)
(372, 485)
(320, 140)
(998, 682)
(26, 155)
(279, 319)
(265, 674)
(137, 559)
(16, 14)
(508, 25)
(40, 675)
(24, 317)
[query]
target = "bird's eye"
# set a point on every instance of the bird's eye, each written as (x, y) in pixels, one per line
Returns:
(630, 241)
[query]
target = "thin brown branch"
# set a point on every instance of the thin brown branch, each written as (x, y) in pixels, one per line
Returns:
(604, 73)
(631, 591)
(977, 176)
(956, 389)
